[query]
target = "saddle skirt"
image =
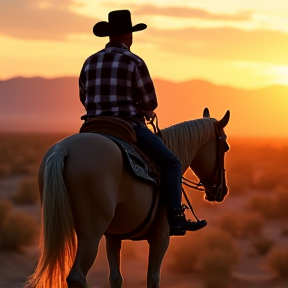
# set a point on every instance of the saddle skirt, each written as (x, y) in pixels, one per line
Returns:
(123, 135)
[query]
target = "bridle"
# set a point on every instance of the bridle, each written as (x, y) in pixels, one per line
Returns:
(217, 181)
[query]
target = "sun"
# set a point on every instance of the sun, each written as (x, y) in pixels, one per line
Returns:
(279, 73)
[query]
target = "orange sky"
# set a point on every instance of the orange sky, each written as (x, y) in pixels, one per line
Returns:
(241, 43)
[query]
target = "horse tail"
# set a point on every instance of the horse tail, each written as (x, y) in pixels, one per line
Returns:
(58, 238)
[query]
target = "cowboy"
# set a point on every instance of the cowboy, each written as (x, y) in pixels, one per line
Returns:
(115, 82)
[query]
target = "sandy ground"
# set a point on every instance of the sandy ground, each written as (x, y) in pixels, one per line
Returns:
(250, 271)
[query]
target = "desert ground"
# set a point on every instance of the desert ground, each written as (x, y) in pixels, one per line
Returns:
(248, 231)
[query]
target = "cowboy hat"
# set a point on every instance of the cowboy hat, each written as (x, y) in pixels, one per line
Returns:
(119, 22)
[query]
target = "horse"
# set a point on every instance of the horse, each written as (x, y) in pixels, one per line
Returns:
(87, 192)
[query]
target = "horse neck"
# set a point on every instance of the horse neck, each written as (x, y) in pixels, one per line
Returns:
(186, 138)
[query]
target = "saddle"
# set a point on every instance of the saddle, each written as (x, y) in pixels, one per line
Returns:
(123, 135)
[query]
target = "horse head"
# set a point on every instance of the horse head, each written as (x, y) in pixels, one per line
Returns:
(213, 178)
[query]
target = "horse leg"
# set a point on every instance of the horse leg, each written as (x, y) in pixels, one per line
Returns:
(90, 223)
(158, 244)
(86, 253)
(113, 247)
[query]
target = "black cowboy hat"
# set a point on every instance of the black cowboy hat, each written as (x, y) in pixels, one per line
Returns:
(119, 22)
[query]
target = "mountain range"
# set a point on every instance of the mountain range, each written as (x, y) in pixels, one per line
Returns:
(52, 105)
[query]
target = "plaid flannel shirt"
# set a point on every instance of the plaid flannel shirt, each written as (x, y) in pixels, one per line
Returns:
(116, 82)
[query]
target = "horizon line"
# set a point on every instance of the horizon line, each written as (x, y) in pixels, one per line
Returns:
(155, 79)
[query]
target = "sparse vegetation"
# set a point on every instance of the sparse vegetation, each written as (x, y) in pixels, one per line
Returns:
(185, 253)
(277, 261)
(16, 229)
(5, 210)
(27, 193)
(21, 154)
(206, 249)
(210, 253)
(241, 224)
(271, 206)
(262, 245)
(216, 268)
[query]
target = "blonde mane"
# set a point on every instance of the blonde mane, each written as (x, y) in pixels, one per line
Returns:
(186, 138)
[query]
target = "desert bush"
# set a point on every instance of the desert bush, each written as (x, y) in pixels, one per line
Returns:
(20, 154)
(242, 224)
(267, 181)
(252, 224)
(220, 240)
(231, 223)
(216, 267)
(27, 192)
(277, 261)
(281, 202)
(17, 230)
(5, 210)
(271, 206)
(262, 245)
(263, 204)
(284, 232)
(185, 252)
(220, 254)
(238, 183)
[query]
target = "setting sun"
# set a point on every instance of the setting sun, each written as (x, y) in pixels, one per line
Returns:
(279, 73)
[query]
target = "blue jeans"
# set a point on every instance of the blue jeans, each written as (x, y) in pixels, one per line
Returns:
(168, 163)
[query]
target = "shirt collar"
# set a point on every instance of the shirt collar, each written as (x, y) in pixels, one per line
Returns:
(116, 45)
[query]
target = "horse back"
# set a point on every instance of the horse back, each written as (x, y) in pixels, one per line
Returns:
(100, 185)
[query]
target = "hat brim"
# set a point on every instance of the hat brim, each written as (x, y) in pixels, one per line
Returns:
(103, 29)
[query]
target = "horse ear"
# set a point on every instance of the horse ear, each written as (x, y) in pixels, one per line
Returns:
(206, 112)
(224, 121)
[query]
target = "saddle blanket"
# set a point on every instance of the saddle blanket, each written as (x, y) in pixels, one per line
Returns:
(136, 161)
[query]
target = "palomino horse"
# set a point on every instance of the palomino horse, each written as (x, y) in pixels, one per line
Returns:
(87, 192)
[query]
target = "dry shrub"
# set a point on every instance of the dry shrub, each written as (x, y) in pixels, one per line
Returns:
(188, 252)
(268, 180)
(271, 206)
(231, 223)
(238, 183)
(220, 254)
(20, 154)
(241, 224)
(262, 204)
(262, 245)
(5, 210)
(16, 229)
(216, 267)
(27, 193)
(277, 261)
(281, 202)
(252, 224)
(284, 232)
(185, 252)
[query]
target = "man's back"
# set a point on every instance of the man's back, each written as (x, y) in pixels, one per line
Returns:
(114, 81)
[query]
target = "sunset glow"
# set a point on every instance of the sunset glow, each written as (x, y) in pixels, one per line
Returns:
(227, 44)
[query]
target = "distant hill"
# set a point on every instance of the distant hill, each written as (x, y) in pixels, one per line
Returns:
(52, 105)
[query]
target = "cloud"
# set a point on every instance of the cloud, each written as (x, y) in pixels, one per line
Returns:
(222, 43)
(186, 12)
(49, 20)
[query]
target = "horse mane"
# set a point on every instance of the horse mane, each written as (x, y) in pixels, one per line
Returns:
(186, 138)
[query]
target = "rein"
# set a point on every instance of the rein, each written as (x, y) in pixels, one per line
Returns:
(217, 176)
(194, 185)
